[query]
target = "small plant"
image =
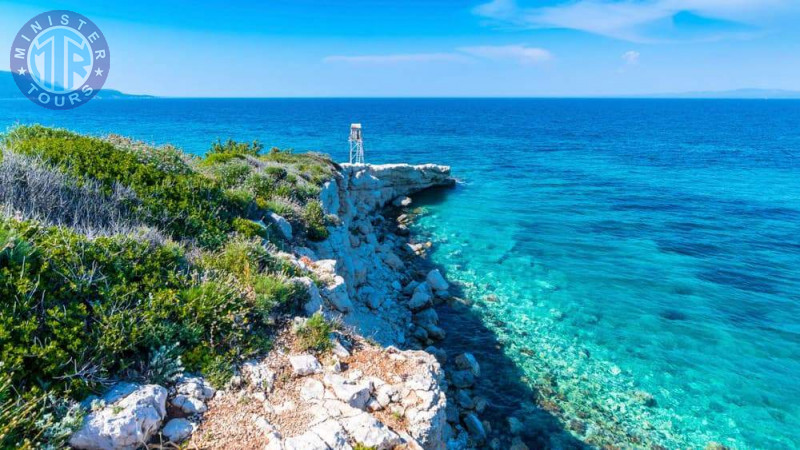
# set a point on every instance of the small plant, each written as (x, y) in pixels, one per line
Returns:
(360, 446)
(314, 334)
(164, 366)
(315, 221)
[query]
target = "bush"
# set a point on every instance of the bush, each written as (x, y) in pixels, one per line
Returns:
(84, 302)
(314, 334)
(231, 147)
(188, 205)
(315, 221)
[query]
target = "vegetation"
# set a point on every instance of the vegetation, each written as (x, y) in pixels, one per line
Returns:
(314, 334)
(120, 260)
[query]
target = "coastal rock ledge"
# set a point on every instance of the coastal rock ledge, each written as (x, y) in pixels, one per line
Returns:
(374, 386)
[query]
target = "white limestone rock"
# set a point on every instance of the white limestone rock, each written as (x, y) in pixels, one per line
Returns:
(337, 295)
(196, 387)
(315, 301)
(189, 405)
(132, 414)
(283, 225)
(303, 365)
(355, 394)
(368, 431)
(177, 430)
(311, 389)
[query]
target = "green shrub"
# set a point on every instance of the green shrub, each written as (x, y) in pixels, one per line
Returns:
(314, 334)
(188, 205)
(232, 147)
(249, 229)
(315, 221)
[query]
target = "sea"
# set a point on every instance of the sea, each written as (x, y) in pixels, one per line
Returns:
(629, 266)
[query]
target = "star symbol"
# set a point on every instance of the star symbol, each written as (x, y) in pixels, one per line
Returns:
(22, 71)
(99, 72)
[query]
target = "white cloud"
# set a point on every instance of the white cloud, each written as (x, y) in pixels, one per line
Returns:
(626, 19)
(631, 57)
(396, 58)
(520, 53)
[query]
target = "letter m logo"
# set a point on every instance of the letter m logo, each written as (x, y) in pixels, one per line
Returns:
(19, 53)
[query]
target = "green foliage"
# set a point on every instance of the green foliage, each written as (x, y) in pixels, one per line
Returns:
(248, 228)
(165, 365)
(315, 221)
(77, 313)
(231, 147)
(314, 334)
(187, 205)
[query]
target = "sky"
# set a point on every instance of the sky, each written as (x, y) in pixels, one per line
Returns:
(437, 48)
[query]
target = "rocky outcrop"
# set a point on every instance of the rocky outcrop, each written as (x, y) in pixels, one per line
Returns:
(377, 397)
(365, 270)
(128, 415)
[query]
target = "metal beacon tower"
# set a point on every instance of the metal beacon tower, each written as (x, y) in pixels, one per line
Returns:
(356, 144)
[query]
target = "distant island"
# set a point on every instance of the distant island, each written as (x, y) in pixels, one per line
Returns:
(764, 94)
(8, 89)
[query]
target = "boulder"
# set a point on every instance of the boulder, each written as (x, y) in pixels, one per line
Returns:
(177, 430)
(196, 387)
(303, 365)
(420, 300)
(475, 427)
(333, 434)
(189, 405)
(337, 295)
(283, 225)
(314, 302)
(462, 379)
(467, 361)
(402, 201)
(437, 281)
(126, 422)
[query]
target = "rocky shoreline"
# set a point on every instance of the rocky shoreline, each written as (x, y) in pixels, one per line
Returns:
(384, 384)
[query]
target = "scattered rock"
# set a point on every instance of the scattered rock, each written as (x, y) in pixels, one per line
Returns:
(258, 375)
(303, 365)
(467, 361)
(196, 387)
(437, 281)
(475, 427)
(462, 379)
(189, 405)
(177, 430)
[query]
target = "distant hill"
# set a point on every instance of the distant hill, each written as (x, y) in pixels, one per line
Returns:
(766, 94)
(8, 89)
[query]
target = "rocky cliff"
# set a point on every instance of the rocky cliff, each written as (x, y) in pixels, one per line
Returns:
(367, 390)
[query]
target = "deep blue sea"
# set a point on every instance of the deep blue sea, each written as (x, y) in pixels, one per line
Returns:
(639, 260)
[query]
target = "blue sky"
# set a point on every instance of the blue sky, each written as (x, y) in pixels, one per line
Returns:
(309, 48)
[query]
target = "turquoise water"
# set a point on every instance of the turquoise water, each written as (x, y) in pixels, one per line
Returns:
(617, 249)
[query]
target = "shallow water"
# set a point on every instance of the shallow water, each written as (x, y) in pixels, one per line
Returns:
(613, 247)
